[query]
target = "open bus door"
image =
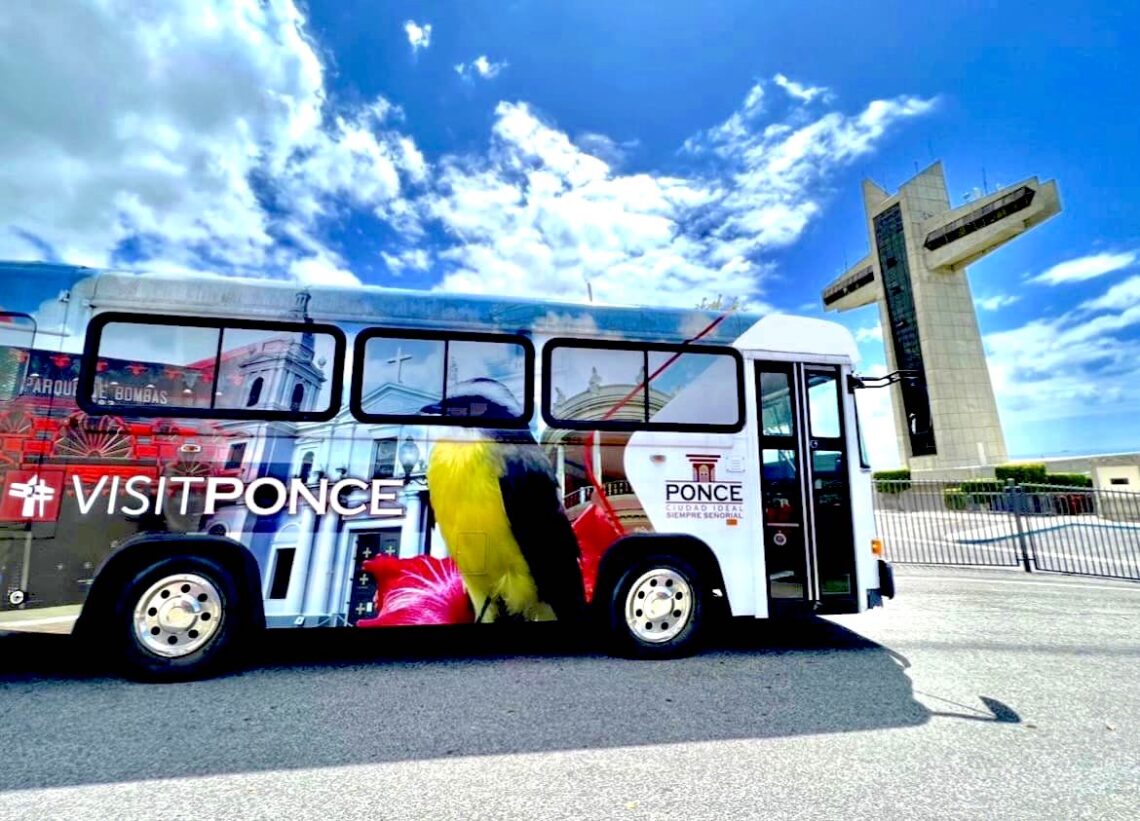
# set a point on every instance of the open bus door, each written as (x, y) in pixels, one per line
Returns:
(808, 532)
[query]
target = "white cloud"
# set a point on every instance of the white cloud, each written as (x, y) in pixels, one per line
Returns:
(541, 215)
(870, 333)
(191, 136)
(605, 148)
(996, 302)
(322, 270)
(1086, 267)
(419, 36)
(480, 67)
(217, 148)
(802, 92)
(1121, 296)
(1085, 361)
(775, 172)
(737, 127)
(754, 100)
(553, 323)
(412, 259)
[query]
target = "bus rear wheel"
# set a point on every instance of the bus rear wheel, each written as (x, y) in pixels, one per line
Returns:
(656, 608)
(177, 619)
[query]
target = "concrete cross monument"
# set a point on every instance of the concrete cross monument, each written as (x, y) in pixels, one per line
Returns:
(946, 419)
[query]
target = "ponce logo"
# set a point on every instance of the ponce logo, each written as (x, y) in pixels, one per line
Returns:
(31, 495)
(703, 496)
(36, 493)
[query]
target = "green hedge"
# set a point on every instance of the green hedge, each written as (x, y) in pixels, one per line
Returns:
(981, 486)
(1068, 480)
(1025, 473)
(892, 481)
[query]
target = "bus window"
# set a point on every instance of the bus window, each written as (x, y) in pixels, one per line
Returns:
(864, 459)
(168, 366)
(594, 384)
(476, 379)
(823, 405)
(776, 404)
(632, 386)
(401, 376)
(273, 369)
(17, 340)
(491, 374)
(144, 364)
(711, 376)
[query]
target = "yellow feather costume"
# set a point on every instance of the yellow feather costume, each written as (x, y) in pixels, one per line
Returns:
(463, 481)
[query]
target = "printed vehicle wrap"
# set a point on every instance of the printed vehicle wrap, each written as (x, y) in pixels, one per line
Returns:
(432, 489)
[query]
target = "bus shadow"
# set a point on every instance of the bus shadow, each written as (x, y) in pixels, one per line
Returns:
(332, 698)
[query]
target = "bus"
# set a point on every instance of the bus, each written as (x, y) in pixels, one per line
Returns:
(186, 461)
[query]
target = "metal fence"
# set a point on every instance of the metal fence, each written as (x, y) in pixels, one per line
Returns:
(986, 523)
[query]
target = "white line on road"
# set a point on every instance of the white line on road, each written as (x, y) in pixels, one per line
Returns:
(1027, 580)
(20, 624)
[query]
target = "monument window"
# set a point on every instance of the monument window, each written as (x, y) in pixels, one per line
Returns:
(890, 242)
(988, 214)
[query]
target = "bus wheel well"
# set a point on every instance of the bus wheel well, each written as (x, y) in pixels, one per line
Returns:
(629, 549)
(136, 554)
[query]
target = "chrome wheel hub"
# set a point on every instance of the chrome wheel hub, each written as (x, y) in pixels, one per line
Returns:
(178, 615)
(659, 605)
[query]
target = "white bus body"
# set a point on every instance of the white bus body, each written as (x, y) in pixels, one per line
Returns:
(188, 460)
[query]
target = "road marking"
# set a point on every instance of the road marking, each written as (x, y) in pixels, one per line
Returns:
(20, 624)
(1028, 580)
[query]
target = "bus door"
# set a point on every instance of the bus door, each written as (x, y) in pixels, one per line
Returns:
(808, 533)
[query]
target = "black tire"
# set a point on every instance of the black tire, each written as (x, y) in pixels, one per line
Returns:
(636, 643)
(135, 660)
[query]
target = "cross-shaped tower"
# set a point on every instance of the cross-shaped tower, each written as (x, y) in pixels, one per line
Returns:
(946, 420)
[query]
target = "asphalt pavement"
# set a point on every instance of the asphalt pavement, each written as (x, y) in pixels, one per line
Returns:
(974, 694)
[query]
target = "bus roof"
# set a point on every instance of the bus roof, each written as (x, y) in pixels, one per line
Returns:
(28, 286)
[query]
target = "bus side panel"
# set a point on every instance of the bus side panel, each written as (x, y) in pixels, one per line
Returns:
(705, 486)
(398, 520)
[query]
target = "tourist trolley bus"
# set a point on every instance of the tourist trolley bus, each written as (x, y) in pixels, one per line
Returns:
(186, 461)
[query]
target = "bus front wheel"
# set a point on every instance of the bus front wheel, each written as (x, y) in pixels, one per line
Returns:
(177, 619)
(656, 608)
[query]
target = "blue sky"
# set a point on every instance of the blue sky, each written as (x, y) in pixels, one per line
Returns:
(663, 152)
